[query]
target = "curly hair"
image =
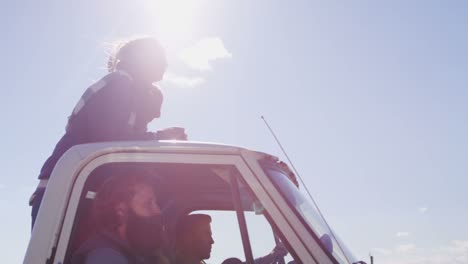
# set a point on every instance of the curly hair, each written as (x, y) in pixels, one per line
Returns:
(127, 51)
(118, 188)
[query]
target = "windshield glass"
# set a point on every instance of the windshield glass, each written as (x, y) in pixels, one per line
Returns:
(305, 209)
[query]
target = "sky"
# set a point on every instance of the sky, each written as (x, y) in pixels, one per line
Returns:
(369, 98)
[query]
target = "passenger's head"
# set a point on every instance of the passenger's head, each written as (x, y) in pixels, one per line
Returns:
(194, 238)
(127, 205)
(143, 58)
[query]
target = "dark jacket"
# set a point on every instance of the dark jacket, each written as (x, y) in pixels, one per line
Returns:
(105, 247)
(112, 109)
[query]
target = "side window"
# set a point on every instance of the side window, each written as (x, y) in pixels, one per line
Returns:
(240, 227)
(178, 188)
(226, 236)
(262, 238)
(245, 230)
(228, 242)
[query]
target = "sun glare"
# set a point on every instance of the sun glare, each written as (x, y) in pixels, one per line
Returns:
(175, 18)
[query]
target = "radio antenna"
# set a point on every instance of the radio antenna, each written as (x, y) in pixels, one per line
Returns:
(305, 186)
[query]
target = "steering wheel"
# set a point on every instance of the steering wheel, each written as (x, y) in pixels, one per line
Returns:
(281, 251)
(232, 261)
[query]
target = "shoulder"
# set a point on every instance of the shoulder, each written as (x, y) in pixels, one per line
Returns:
(105, 255)
(113, 85)
(118, 78)
(118, 75)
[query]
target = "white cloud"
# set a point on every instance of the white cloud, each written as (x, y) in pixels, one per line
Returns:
(456, 252)
(182, 81)
(457, 247)
(423, 209)
(2, 186)
(201, 54)
(404, 248)
(381, 251)
(402, 234)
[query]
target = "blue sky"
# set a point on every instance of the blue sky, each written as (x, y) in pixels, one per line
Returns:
(368, 97)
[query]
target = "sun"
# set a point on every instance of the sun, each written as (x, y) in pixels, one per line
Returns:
(174, 18)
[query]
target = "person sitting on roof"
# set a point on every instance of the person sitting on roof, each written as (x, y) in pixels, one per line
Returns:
(118, 107)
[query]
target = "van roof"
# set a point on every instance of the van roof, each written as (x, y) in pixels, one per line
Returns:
(173, 146)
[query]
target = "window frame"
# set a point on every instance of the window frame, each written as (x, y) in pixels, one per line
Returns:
(65, 233)
(249, 170)
(306, 247)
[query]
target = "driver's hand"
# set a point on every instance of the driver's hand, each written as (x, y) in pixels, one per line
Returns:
(279, 251)
(174, 133)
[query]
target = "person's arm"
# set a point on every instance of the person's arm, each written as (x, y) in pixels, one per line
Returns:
(170, 133)
(268, 259)
(105, 256)
(278, 252)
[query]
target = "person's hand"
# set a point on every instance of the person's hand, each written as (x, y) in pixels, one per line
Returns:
(171, 133)
(279, 251)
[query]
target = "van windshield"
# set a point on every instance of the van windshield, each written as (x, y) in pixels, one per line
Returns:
(309, 214)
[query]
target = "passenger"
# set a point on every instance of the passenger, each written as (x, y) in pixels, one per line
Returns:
(128, 227)
(117, 107)
(194, 241)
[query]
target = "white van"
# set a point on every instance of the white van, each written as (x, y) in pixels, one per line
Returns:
(253, 198)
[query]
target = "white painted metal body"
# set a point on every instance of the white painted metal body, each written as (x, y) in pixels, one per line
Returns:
(57, 213)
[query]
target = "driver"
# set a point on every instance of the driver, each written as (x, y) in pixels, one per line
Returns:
(194, 241)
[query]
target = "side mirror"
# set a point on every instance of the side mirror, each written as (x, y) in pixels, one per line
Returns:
(327, 242)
